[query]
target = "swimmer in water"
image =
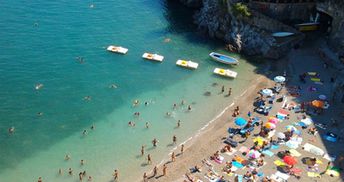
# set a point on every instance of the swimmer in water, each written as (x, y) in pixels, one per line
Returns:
(91, 5)
(11, 130)
(183, 102)
(174, 106)
(146, 103)
(93, 127)
(38, 86)
(113, 86)
(84, 132)
(147, 124)
(136, 103)
(155, 142)
(70, 171)
(189, 108)
(168, 114)
(87, 98)
(167, 40)
(60, 171)
(40, 114)
(178, 123)
(82, 162)
(67, 157)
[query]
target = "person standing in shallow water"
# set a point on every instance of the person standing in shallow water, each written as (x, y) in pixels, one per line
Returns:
(173, 157)
(149, 159)
(230, 92)
(155, 171)
(182, 149)
(223, 89)
(40, 179)
(178, 123)
(142, 150)
(144, 177)
(174, 139)
(164, 170)
(116, 175)
(155, 142)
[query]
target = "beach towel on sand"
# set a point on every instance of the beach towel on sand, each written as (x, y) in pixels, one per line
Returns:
(243, 149)
(294, 153)
(232, 152)
(268, 152)
(237, 164)
(279, 162)
(219, 160)
(238, 159)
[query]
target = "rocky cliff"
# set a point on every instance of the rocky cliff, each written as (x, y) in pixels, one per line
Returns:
(249, 35)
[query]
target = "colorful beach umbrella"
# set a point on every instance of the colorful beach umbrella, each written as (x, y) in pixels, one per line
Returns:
(240, 121)
(317, 103)
(273, 120)
(291, 128)
(290, 160)
(333, 171)
(254, 154)
(269, 125)
(279, 79)
(259, 141)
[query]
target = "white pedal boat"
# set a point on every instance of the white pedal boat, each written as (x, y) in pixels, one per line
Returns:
(187, 64)
(117, 49)
(225, 72)
(154, 57)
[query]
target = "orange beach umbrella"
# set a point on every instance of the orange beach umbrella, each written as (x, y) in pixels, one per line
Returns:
(317, 103)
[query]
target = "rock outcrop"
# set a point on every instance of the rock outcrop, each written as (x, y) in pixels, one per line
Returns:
(242, 34)
(192, 3)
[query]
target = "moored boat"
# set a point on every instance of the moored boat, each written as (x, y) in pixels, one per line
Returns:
(304, 27)
(187, 64)
(117, 49)
(154, 57)
(223, 58)
(282, 34)
(225, 72)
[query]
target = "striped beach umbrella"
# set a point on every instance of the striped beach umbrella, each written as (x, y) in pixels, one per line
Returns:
(269, 125)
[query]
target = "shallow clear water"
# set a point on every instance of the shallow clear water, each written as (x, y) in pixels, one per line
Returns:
(39, 43)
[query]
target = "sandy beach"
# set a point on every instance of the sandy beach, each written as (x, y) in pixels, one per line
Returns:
(210, 140)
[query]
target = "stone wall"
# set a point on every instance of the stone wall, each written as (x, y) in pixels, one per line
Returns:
(285, 11)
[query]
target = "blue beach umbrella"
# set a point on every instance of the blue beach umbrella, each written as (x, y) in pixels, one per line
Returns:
(240, 121)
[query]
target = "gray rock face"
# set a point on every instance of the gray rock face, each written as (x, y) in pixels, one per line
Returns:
(192, 3)
(216, 19)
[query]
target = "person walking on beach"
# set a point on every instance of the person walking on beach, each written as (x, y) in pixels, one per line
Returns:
(223, 89)
(116, 175)
(149, 159)
(155, 171)
(182, 149)
(173, 157)
(174, 139)
(144, 177)
(230, 92)
(178, 123)
(164, 170)
(155, 142)
(142, 150)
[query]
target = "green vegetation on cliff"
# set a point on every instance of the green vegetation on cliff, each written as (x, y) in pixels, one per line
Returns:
(241, 9)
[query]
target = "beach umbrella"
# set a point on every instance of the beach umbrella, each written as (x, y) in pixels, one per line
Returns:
(269, 125)
(266, 92)
(317, 103)
(254, 154)
(290, 160)
(291, 128)
(259, 141)
(279, 79)
(240, 121)
(280, 135)
(307, 121)
(333, 171)
(273, 120)
(322, 97)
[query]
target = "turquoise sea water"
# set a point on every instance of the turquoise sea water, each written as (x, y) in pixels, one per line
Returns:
(39, 43)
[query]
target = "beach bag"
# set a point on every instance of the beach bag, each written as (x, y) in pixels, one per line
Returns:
(231, 142)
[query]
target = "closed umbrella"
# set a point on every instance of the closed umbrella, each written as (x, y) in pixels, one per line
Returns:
(290, 160)
(240, 121)
(279, 79)
(269, 125)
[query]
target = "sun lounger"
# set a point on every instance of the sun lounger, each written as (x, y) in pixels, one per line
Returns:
(282, 175)
(329, 157)
(187, 64)
(154, 57)
(294, 153)
(313, 149)
(243, 149)
(313, 174)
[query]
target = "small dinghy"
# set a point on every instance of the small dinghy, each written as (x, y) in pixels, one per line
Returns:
(282, 34)
(154, 57)
(223, 58)
(187, 64)
(225, 72)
